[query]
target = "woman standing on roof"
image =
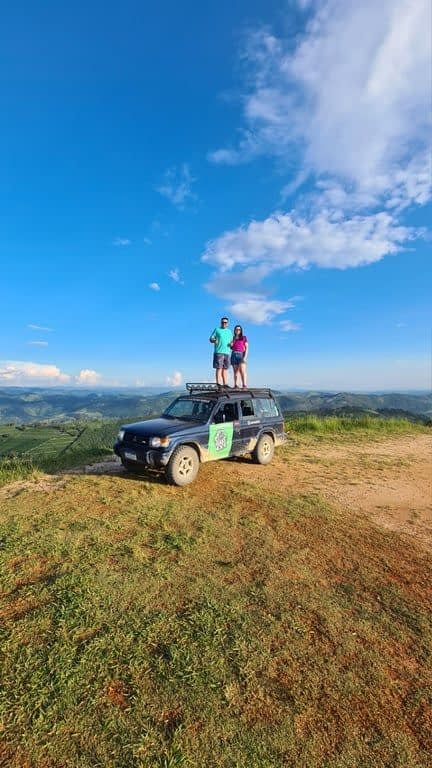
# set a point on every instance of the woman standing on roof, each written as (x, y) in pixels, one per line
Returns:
(239, 354)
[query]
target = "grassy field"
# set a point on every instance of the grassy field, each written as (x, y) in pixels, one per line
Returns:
(220, 625)
(24, 450)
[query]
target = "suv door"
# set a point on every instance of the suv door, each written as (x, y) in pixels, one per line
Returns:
(249, 423)
(224, 431)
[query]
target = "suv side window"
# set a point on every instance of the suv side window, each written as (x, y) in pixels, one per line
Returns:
(247, 407)
(226, 412)
(266, 407)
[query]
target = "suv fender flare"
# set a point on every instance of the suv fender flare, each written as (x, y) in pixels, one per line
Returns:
(266, 431)
(191, 444)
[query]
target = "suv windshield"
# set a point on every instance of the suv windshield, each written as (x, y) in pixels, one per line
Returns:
(189, 409)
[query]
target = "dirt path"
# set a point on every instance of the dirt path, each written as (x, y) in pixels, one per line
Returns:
(389, 480)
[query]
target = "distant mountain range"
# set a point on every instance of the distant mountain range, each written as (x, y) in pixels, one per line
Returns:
(23, 406)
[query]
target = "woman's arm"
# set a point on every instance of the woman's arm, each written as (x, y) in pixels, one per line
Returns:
(245, 353)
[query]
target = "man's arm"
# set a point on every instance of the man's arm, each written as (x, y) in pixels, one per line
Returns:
(212, 338)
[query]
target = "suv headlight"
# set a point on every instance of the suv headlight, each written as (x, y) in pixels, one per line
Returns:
(159, 442)
(121, 435)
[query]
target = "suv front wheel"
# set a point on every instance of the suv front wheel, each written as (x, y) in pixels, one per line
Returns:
(183, 466)
(264, 450)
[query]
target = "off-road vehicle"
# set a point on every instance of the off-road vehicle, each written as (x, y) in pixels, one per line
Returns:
(208, 422)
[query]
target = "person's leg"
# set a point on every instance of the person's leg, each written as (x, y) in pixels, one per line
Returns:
(243, 374)
(236, 375)
(218, 369)
(225, 367)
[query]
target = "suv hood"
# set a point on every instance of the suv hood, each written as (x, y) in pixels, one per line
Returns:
(158, 427)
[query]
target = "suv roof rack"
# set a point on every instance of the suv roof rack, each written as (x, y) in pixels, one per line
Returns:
(202, 386)
(221, 390)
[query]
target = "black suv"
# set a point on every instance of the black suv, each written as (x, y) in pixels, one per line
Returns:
(207, 423)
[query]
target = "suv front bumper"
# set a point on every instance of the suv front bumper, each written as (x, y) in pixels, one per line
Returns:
(150, 458)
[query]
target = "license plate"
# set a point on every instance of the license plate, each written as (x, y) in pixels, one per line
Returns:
(130, 456)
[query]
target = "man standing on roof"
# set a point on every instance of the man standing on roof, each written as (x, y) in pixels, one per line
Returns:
(221, 338)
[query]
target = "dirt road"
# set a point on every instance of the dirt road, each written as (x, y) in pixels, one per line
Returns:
(387, 479)
(390, 480)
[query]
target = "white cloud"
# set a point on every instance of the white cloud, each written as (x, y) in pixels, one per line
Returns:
(175, 380)
(23, 373)
(177, 186)
(154, 286)
(355, 112)
(326, 240)
(122, 241)
(38, 343)
(288, 325)
(245, 256)
(87, 376)
(174, 274)
(147, 241)
(257, 309)
(351, 119)
(38, 327)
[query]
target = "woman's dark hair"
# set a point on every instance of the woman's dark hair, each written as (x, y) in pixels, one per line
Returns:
(241, 331)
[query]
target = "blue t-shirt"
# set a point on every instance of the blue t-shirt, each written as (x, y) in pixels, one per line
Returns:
(224, 337)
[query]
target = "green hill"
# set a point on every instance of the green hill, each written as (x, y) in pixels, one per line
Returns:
(24, 406)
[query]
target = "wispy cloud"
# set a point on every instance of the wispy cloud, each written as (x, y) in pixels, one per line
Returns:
(147, 241)
(357, 131)
(38, 343)
(174, 274)
(364, 122)
(256, 308)
(175, 379)
(177, 186)
(288, 325)
(154, 286)
(122, 241)
(38, 327)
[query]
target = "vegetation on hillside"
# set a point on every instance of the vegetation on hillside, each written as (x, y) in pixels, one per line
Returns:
(26, 406)
(25, 449)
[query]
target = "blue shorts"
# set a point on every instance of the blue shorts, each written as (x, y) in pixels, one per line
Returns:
(237, 358)
(220, 361)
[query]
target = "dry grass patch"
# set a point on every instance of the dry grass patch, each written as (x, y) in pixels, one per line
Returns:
(223, 625)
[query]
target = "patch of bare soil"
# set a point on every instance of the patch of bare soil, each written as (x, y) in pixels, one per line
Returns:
(389, 480)
(39, 484)
(110, 466)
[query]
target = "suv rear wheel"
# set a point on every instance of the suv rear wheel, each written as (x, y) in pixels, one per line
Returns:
(264, 450)
(183, 466)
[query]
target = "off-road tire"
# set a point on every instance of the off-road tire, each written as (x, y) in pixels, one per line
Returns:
(183, 466)
(264, 450)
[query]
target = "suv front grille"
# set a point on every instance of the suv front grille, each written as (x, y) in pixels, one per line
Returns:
(131, 440)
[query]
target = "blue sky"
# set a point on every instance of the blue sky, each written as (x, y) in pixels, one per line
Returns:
(165, 165)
